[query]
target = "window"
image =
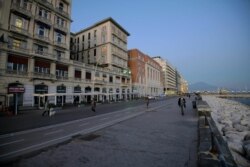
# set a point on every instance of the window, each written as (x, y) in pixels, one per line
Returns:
(19, 23)
(16, 43)
(89, 35)
(58, 37)
(61, 6)
(94, 52)
(40, 49)
(82, 37)
(42, 70)
(43, 13)
(41, 30)
(88, 75)
(60, 21)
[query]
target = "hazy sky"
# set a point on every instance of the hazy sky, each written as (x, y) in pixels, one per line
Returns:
(206, 40)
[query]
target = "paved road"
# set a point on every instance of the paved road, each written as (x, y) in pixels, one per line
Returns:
(33, 119)
(159, 136)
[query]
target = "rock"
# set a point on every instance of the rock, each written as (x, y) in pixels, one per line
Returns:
(245, 122)
(237, 147)
(240, 160)
(227, 128)
(233, 136)
(246, 148)
(247, 136)
(240, 128)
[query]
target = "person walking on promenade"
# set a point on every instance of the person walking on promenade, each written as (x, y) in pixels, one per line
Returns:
(46, 108)
(147, 101)
(181, 103)
(93, 105)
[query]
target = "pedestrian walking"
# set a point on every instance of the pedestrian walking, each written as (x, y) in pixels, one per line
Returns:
(93, 105)
(181, 103)
(46, 108)
(147, 101)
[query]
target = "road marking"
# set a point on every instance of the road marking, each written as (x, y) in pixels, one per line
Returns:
(16, 141)
(86, 123)
(104, 118)
(53, 132)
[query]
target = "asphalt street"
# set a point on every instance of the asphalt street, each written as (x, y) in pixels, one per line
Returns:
(157, 136)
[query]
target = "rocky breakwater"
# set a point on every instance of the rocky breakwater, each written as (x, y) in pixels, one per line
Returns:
(233, 121)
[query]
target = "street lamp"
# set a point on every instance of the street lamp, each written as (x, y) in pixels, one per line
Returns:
(93, 84)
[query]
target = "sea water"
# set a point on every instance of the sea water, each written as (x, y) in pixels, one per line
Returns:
(245, 101)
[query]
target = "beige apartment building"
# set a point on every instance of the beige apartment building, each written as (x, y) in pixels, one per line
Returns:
(146, 74)
(102, 49)
(34, 51)
(169, 76)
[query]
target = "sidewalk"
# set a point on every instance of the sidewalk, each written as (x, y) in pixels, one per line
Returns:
(161, 137)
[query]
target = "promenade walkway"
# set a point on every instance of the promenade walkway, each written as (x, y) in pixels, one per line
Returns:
(160, 136)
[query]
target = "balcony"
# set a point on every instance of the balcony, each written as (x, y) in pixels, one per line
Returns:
(40, 75)
(60, 44)
(41, 53)
(63, 59)
(42, 38)
(19, 30)
(46, 3)
(63, 13)
(12, 47)
(24, 9)
(14, 72)
(62, 77)
(43, 19)
(61, 28)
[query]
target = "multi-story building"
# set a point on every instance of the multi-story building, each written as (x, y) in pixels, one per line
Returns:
(103, 47)
(169, 76)
(146, 74)
(34, 50)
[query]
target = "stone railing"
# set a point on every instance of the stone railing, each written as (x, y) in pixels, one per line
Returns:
(212, 149)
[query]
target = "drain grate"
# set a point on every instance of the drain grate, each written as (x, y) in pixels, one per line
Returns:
(90, 137)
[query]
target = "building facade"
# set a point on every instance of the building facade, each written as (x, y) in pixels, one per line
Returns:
(146, 74)
(169, 76)
(34, 49)
(103, 47)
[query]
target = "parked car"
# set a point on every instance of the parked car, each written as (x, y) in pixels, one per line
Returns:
(151, 97)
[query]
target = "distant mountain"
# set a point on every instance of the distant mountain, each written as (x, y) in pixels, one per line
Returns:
(202, 86)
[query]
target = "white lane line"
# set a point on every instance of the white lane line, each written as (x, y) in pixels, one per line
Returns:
(16, 141)
(104, 118)
(86, 123)
(53, 132)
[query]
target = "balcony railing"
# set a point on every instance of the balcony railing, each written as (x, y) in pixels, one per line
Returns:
(62, 77)
(62, 59)
(46, 3)
(19, 30)
(42, 37)
(43, 19)
(43, 75)
(24, 8)
(15, 72)
(14, 47)
(66, 14)
(41, 53)
(61, 27)
(61, 44)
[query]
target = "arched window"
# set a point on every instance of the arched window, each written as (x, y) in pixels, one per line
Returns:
(61, 89)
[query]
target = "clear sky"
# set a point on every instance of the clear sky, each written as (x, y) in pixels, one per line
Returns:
(206, 40)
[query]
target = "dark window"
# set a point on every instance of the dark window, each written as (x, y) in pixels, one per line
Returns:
(82, 37)
(78, 74)
(89, 35)
(110, 79)
(88, 75)
(94, 52)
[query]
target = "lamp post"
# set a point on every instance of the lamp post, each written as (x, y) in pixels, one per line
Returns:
(93, 84)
